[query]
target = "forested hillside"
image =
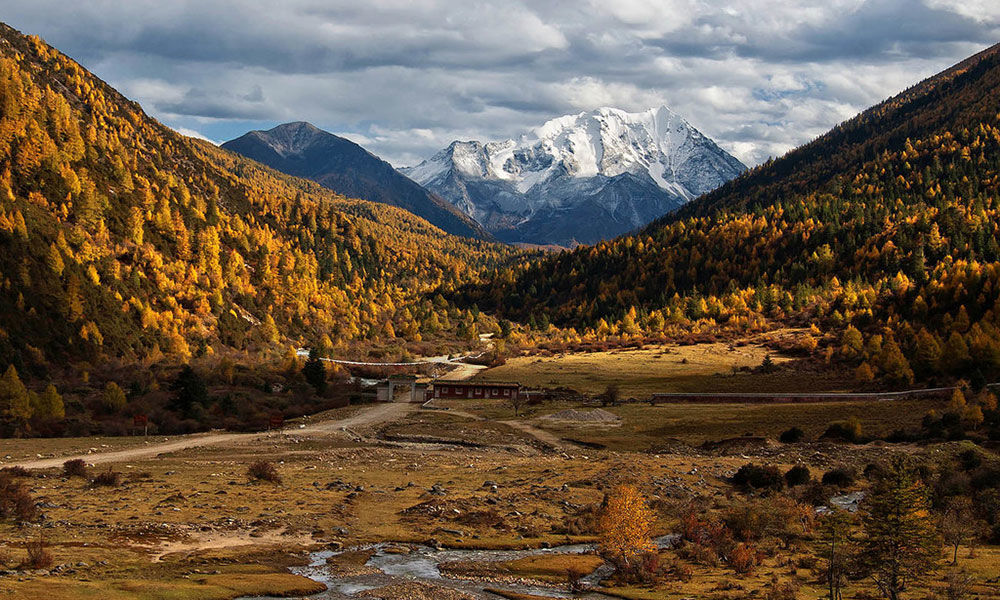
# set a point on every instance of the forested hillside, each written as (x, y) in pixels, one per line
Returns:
(122, 238)
(883, 232)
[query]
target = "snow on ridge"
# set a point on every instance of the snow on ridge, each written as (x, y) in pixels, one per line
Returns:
(606, 141)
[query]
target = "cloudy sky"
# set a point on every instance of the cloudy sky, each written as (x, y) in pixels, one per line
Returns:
(404, 78)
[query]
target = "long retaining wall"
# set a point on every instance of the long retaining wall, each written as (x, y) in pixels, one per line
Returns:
(794, 398)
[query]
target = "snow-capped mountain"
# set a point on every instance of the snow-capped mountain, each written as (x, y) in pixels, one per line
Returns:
(579, 178)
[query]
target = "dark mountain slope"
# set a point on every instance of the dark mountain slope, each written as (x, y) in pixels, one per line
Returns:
(303, 150)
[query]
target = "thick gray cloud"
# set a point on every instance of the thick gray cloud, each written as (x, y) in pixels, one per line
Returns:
(405, 77)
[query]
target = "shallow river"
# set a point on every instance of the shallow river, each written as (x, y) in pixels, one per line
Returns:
(421, 564)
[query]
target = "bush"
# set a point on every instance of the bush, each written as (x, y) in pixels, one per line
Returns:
(16, 472)
(754, 477)
(573, 583)
(841, 477)
(790, 436)
(815, 493)
(848, 431)
(263, 471)
(645, 571)
(873, 471)
(107, 478)
(797, 475)
(774, 517)
(15, 501)
(75, 468)
(39, 556)
(782, 590)
(744, 558)
(970, 459)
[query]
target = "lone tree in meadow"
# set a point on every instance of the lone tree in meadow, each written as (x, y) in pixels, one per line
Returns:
(900, 544)
(960, 523)
(610, 395)
(835, 547)
(625, 526)
(517, 401)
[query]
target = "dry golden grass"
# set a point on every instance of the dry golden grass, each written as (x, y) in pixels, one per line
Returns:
(150, 530)
(643, 427)
(31, 448)
(548, 568)
(641, 373)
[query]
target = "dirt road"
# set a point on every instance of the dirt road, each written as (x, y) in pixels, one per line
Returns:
(542, 436)
(462, 372)
(371, 415)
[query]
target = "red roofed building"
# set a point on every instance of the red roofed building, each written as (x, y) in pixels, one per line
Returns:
(475, 390)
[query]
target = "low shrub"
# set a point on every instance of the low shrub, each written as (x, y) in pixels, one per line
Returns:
(797, 475)
(75, 468)
(744, 558)
(790, 436)
(107, 478)
(680, 571)
(814, 493)
(841, 477)
(782, 590)
(847, 431)
(15, 501)
(573, 583)
(873, 471)
(16, 471)
(970, 459)
(38, 557)
(775, 517)
(262, 470)
(755, 477)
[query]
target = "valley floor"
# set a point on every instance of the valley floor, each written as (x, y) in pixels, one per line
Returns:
(390, 481)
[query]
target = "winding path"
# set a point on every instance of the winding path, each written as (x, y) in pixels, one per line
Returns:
(371, 415)
(545, 437)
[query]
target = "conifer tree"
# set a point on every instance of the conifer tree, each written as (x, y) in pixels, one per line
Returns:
(50, 404)
(900, 544)
(113, 399)
(315, 372)
(15, 405)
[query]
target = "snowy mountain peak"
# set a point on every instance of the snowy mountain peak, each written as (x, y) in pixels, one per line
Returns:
(571, 159)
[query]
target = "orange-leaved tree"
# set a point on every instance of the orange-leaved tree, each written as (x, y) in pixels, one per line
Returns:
(625, 526)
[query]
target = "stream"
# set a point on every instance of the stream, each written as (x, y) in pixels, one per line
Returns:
(422, 564)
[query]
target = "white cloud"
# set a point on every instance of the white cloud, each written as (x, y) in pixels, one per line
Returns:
(405, 77)
(194, 134)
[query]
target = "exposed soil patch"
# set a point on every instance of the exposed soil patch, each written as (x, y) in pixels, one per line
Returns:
(415, 591)
(598, 415)
(351, 563)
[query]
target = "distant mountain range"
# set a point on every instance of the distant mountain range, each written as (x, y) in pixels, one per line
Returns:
(579, 178)
(339, 164)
